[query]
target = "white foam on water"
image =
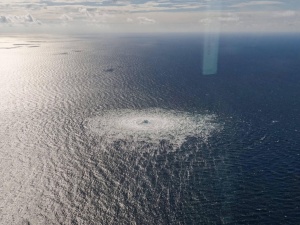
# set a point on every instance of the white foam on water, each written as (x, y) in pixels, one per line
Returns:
(152, 125)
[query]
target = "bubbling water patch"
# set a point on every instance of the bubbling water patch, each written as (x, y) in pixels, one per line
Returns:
(153, 125)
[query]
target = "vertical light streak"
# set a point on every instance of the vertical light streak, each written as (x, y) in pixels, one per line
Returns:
(211, 38)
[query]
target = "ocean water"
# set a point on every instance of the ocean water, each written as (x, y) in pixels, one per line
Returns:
(125, 129)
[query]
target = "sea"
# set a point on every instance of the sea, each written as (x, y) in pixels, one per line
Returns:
(118, 129)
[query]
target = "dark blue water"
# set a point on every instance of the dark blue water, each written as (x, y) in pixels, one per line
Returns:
(258, 86)
(244, 170)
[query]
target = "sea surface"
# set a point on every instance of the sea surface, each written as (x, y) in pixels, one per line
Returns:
(125, 129)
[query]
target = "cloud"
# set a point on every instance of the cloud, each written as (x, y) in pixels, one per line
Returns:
(229, 17)
(145, 20)
(85, 12)
(19, 20)
(206, 20)
(173, 15)
(288, 13)
(256, 3)
(66, 18)
(225, 18)
(4, 19)
(129, 20)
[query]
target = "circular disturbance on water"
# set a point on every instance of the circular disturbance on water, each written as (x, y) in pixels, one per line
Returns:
(152, 125)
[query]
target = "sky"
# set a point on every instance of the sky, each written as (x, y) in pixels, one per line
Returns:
(81, 16)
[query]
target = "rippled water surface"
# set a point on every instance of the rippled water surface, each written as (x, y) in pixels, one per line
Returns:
(126, 130)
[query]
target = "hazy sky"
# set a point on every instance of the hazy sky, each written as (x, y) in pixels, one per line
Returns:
(142, 15)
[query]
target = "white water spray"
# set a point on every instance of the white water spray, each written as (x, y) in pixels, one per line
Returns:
(152, 125)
